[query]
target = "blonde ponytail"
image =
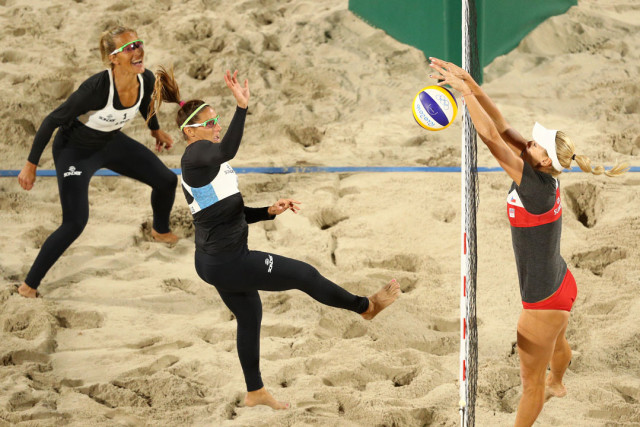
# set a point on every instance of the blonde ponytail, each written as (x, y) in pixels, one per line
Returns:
(565, 150)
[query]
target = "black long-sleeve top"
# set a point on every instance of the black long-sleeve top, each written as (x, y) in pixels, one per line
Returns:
(221, 227)
(92, 95)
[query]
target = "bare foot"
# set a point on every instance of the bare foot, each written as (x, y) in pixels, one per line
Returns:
(164, 237)
(553, 389)
(382, 299)
(27, 291)
(263, 397)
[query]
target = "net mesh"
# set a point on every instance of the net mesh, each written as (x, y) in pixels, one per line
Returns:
(469, 168)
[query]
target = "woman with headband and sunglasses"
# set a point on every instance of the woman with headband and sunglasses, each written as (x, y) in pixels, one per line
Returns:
(90, 138)
(222, 258)
(547, 287)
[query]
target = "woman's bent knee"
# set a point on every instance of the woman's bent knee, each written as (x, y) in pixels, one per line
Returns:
(169, 182)
(74, 228)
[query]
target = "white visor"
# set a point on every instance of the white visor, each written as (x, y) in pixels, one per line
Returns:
(547, 139)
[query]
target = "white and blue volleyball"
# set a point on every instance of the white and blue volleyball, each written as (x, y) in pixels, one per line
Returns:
(434, 108)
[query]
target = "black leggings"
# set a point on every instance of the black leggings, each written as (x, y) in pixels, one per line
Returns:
(74, 168)
(238, 281)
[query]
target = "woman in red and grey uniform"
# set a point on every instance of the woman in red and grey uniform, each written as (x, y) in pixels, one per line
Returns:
(90, 138)
(534, 209)
(222, 257)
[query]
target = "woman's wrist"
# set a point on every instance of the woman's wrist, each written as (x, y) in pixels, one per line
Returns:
(473, 86)
(466, 90)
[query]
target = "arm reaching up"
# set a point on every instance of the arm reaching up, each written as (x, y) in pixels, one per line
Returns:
(484, 124)
(512, 137)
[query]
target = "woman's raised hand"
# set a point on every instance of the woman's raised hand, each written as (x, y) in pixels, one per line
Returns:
(453, 68)
(451, 74)
(241, 93)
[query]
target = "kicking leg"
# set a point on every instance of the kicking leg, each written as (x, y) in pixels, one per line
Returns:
(278, 273)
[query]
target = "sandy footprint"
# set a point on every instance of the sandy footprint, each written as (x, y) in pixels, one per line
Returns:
(29, 324)
(585, 201)
(164, 390)
(158, 365)
(276, 303)
(401, 262)
(112, 396)
(281, 330)
(72, 319)
(355, 330)
(19, 357)
(176, 345)
(598, 259)
(329, 217)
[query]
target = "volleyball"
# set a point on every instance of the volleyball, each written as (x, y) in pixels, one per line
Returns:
(434, 108)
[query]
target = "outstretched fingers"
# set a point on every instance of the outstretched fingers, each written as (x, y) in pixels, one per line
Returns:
(293, 205)
(442, 77)
(240, 92)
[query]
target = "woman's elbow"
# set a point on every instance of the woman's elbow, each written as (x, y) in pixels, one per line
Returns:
(490, 137)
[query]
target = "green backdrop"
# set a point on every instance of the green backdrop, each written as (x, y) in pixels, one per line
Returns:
(434, 26)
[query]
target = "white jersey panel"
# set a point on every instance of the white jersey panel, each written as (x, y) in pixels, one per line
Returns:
(225, 184)
(108, 118)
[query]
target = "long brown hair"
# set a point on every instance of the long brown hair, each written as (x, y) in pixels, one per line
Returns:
(166, 90)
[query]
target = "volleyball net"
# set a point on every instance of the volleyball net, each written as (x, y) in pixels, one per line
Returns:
(469, 202)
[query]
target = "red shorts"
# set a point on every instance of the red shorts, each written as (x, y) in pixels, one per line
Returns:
(562, 299)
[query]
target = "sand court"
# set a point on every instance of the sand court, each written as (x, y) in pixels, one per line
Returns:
(127, 333)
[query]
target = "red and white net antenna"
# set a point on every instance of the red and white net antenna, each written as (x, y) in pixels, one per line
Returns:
(468, 260)
(463, 326)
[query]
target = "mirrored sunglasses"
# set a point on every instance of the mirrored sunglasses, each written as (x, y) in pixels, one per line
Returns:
(209, 124)
(130, 47)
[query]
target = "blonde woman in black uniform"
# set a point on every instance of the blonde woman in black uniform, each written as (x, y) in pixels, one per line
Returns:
(547, 287)
(89, 138)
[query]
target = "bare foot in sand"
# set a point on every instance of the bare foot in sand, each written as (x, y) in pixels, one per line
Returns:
(263, 397)
(164, 237)
(382, 299)
(553, 388)
(27, 291)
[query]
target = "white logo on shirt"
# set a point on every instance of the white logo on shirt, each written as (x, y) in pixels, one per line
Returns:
(109, 118)
(269, 261)
(72, 171)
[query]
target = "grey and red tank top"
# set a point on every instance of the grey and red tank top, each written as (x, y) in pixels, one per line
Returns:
(534, 210)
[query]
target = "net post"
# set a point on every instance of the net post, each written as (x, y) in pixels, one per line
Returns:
(469, 202)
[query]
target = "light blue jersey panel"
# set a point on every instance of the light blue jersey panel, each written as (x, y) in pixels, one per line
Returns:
(225, 184)
(205, 196)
